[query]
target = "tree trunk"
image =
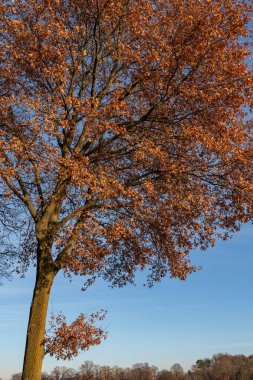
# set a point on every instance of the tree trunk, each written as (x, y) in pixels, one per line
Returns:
(34, 350)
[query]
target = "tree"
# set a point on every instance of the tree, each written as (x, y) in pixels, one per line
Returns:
(223, 366)
(142, 371)
(119, 373)
(45, 376)
(177, 370)
(87, 370)
(16, 376)
(105, 372)
(123, 141)
(165, 375)
(202, 368)
(62, 373)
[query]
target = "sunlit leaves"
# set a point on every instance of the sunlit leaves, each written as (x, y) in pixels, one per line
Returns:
(64, 340)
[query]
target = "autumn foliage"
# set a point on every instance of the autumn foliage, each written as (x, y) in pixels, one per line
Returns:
(63, 341)
(124, 142)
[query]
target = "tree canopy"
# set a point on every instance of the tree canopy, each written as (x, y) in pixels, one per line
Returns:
(124, 142)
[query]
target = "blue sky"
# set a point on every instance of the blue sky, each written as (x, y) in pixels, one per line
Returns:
(172, 322)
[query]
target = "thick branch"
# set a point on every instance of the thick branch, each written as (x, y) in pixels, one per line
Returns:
(60, 260)
(75, 213)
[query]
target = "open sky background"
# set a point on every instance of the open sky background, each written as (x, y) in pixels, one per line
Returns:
(172, 322)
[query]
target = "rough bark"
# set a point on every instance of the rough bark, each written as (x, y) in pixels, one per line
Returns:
(34, 351)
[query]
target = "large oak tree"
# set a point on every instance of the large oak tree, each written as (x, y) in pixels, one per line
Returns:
(124, 142)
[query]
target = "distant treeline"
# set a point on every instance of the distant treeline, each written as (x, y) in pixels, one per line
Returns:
(219, 367)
